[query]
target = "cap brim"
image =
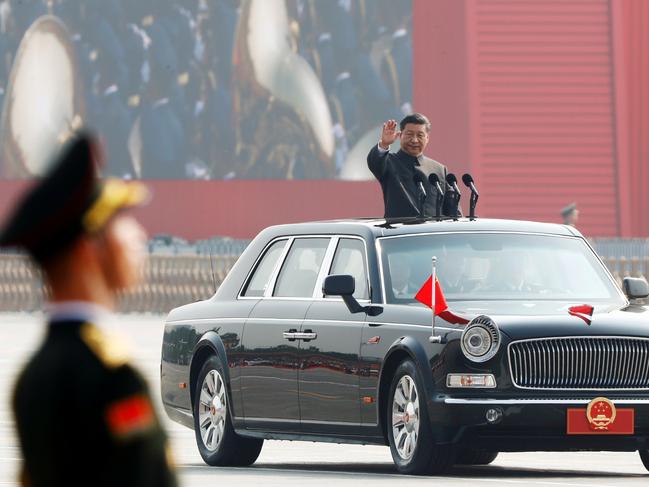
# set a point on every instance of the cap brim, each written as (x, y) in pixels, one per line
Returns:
(114, 195)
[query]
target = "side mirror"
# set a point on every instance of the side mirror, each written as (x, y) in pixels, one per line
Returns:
(341, 285)
(635, 287)
(344, 286)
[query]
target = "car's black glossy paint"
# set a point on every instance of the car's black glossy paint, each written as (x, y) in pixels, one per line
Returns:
(334, 387)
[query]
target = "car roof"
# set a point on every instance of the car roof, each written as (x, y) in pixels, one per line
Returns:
(381, 227)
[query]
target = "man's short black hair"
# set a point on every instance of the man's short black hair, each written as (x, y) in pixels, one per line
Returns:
(417, 119)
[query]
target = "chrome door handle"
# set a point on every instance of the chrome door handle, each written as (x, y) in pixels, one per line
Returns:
(306, 336)
(290, 335)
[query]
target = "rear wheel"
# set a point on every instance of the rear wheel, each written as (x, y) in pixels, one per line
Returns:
(475, 457)
(216, 439)
(409, 430)
(644, 456)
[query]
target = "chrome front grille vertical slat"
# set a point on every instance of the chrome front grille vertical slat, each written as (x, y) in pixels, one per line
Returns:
(635, 362)
(580, 363)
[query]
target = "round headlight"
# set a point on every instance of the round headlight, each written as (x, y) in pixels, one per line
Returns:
(480, 339)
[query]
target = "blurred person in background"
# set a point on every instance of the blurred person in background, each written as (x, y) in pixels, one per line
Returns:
(570, 214)
(84, 416)
(360, 51)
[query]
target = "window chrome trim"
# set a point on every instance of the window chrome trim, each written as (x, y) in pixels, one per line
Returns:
(367, 269)
(326, 264)
(280, 262)
(253, 268)
(490, 232)
(379, 253)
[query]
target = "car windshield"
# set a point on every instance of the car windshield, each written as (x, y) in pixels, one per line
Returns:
(496, 267)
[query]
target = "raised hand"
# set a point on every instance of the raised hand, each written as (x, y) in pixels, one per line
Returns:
(389, 134)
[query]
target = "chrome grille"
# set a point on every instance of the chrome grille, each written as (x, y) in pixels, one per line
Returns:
(580, 363)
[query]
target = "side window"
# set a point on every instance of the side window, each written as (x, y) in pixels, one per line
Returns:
(260, 277)
(300, 269)
(350, 259)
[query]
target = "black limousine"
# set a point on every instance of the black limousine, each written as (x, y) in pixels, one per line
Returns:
(316, 335)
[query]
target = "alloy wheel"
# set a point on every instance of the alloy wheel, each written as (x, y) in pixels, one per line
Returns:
(212, 410)
(405, 417)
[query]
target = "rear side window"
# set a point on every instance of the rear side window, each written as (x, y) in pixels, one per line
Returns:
(260, 278)
(350, 259)
(301, 267)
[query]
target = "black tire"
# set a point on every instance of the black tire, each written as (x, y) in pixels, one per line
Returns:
(475, 457)
(426, 457)
(644, 456)
(223, 447)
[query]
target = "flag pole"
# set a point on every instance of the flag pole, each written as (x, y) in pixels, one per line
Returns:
(434, 338)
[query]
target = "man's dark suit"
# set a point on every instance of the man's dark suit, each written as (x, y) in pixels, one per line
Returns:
(396, 173)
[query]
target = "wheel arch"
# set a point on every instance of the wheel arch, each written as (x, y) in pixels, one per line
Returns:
(209, 345)
(403, 348)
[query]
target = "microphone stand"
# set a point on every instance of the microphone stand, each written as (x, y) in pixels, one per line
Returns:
(439, 199)
(472, 204)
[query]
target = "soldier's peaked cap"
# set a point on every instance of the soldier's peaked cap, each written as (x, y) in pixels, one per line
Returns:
(69, 201)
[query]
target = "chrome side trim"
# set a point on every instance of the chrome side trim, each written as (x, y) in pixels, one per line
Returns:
(284, 320)
(496, 402)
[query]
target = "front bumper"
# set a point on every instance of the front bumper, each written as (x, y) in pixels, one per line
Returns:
(529, 424)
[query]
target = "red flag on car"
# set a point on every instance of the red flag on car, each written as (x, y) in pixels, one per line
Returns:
(585, 311)
(425, 295)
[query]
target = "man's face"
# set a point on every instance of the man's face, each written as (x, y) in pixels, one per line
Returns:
(122, 252)
(414, 139)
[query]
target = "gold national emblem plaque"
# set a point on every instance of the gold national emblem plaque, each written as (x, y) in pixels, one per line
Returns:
(601, 413)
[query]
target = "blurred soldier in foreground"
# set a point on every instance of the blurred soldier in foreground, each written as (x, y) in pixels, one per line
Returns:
(570, 214)
(404, 175)
(84, 415)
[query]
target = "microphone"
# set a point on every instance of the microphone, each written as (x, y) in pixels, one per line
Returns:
(452, 182)
(433, 179)
(467, 179)
(452, 198)
(419, 179)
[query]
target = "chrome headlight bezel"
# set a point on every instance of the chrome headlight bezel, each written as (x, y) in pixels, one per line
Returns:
(483, 327)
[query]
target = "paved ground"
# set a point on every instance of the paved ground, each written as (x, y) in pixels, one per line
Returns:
(295, 463)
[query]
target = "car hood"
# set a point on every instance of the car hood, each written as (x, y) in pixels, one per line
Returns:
(522, 319)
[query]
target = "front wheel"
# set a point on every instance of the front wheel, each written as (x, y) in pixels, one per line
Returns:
(644, 456)
(216, 439)
(409, 429)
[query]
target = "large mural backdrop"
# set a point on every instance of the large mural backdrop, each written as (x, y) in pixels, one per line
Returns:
(205, 89)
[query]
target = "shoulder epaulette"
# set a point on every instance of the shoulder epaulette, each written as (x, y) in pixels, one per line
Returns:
(110, 349)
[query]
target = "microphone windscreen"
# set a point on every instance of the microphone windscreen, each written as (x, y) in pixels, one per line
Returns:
(467, 180)
(451, 179)
(433, 179)
(419, 177)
